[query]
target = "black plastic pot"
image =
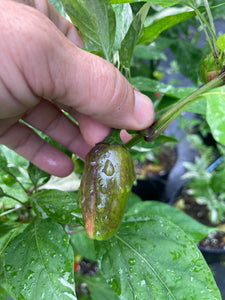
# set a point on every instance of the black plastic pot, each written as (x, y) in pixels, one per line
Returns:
(151, 188)
(213, 255)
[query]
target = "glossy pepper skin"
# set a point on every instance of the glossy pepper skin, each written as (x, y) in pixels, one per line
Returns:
(106, 184)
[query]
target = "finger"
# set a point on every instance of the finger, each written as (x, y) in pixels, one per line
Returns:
(49, 119)
(66, 27)
(92, 130)
(97, 89)
(66, 74)
(27, 143)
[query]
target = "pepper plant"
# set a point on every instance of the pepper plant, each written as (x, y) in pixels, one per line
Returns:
(154, 253)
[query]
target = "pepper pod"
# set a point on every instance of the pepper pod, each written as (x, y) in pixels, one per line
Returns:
(106, 184)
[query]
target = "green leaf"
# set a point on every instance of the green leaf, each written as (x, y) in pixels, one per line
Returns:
(1, 192)
(215, 113)
(149, 52)
(58, 205)
(37, 175)
(13, 158)
(130, 40)
(194, 229)
(151, 32)
(83, 245)
(3, 294)
(150, 85)
(3, 160)
(152, 256)
(7, 232)
(124, 17)
(190, 65)
(38, 263)
(159, 2)
(95, 20)
(98, 289)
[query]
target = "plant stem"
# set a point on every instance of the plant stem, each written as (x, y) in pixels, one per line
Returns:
(162, 123)
(212, 26)
(14, 177)
(210, 16)
(9, 196)
(204, 22)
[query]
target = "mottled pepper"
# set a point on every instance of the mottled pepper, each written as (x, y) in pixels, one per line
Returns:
(106, 184)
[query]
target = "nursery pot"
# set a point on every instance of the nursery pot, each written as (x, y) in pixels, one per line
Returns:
(152, 178)
(213, 247)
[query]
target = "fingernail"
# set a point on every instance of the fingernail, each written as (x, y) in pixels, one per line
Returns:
(143, 109)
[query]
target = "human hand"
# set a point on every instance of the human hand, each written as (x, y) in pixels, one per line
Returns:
(43, 71)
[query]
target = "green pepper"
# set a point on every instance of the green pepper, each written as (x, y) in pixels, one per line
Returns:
(106, 184)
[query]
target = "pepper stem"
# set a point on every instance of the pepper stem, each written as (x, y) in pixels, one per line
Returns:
(113, 137)
(163, 122)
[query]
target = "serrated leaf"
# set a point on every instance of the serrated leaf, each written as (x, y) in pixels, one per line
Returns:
(130, 40)
(58, 205)
(152, 256)
(215, 113)
(194, 229)
(95, 19)
(38, 263)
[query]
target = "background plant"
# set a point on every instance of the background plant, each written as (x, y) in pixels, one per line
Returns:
(154, 252)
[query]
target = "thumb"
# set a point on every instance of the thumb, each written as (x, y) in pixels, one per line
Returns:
(52, 67)
(94, 87)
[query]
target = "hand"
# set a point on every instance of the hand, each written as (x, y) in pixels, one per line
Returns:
(43, 71)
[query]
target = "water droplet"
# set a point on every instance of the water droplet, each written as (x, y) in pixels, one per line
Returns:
(108, 168)
(132, 261)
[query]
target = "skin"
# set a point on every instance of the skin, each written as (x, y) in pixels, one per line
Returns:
(44, 70)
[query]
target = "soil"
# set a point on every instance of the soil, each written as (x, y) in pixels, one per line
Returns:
(187, 203)
(215, 240)
(162, 164)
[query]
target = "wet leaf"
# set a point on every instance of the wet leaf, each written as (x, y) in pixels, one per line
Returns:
(194, 229)
(38, 263)
(60, 206)
(150, 255)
